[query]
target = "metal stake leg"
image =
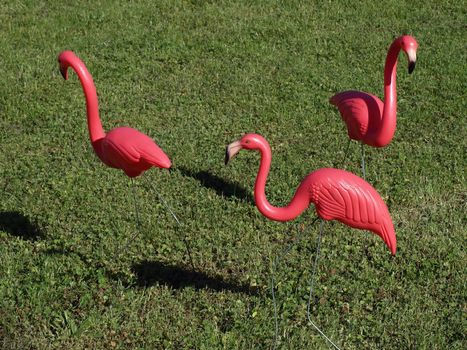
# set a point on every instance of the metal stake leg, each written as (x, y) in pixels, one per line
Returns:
(341, 164)
(277, 260)
(315, 265)
(164, 203)
(363, 161)
(138, 222)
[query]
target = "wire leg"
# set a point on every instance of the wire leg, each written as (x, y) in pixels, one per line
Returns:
(183, 236)
(346, 152)
(162, 200)
(310, 296)
(363, 161)
(135, 200)
(138, 222)
(276, 322)
(275, 264)
(187, 247)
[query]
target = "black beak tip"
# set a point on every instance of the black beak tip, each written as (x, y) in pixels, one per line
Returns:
(411, 67)
(64, 73)
(227, 158)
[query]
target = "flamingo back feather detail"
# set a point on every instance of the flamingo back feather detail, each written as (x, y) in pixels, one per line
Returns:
(132, 151)
(361, 112)
(343, 196)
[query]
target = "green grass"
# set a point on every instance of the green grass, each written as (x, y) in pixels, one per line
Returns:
(76, 273)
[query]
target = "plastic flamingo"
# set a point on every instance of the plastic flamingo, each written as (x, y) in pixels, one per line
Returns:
(336, 194)
(368, 119)
(122, 148)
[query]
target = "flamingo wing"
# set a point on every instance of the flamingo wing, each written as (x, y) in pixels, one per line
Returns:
(347, 198)
(132, 151)
(358, 110)
(149, 152)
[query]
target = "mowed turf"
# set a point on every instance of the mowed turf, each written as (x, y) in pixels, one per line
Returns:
(76, 271)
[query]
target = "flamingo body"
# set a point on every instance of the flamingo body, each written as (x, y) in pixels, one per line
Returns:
(336, 194)
(123, 148)
(361, 112)
(367, 118)
(132, 151)
(343, 196)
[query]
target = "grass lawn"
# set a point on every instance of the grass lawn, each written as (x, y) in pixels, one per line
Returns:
(75, 270)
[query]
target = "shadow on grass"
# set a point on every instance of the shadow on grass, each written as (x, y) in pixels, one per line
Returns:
(16, 224)
(222, 187)
(149, 273)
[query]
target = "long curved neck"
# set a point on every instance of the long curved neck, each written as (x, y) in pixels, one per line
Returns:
(96, 132)
(388, 122)
(297, 205)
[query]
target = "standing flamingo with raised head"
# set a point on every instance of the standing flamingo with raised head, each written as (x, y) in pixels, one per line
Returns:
(336, 194)
(122, 148)
(368, 119)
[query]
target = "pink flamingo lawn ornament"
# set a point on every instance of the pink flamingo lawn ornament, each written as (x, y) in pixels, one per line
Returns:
(122, 148)
(336, 194)
(368, 119)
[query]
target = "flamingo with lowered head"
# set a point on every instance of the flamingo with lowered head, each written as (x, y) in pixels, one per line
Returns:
(368, 119)
(336, 194)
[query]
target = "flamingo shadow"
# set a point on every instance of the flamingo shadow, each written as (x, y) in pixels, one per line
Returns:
(16, 224)
(222, 187)
(149, 273)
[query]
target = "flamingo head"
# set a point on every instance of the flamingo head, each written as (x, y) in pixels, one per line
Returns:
(409, 46)
(63, 62)
(248, 141)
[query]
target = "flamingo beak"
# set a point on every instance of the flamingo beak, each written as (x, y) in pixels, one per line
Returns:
(231, 150)
(63, 70)
(412, 57)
